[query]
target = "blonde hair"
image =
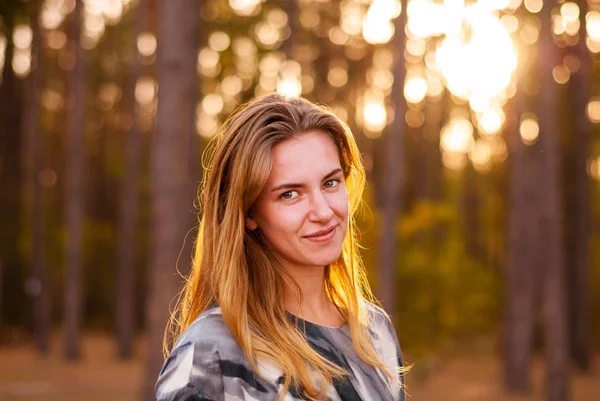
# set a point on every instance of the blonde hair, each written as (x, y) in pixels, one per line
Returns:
(238, 270)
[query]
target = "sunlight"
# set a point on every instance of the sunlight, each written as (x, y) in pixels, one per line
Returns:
(337, 77)
(231, 85)
(481, 156)
(491, 121)
(218, 41)
(51, 17)
(592, 26)
(208, 62)
(510, 22)
(482, 65)
(206, 125)
(146, 44)
(113, 12)
(457, 136)
(530, 32)
(415, 89)
(381, 78)
(289, 87)
(267, 34)
(21, 62)
(561, 74)
(350, 17)
(425, 18)
(529, 129)
(374, 112)
(377, 25)
(245, 7)
(212, 104)
(570, 11)
(593, 110)
(145, 90)
(534, 6)
(22, 36)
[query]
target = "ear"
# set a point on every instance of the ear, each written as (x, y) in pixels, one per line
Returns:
(250, 223)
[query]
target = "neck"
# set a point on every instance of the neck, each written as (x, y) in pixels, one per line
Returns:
(314, 305)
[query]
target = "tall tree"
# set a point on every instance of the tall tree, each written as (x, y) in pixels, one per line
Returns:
(393, 172)
(580, 212)
(523, 252)
(10, 171)
(128, 207)
(551, 231)
(177, 81)
(74, 196)
(32, 191)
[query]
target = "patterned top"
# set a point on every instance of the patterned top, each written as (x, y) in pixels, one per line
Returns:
(207, 364)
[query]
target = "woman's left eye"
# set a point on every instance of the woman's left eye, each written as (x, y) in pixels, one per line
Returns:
(333, 182)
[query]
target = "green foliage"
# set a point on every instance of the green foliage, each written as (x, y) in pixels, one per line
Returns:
(443, 294)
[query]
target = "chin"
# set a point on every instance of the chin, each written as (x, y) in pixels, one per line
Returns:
(327, 259)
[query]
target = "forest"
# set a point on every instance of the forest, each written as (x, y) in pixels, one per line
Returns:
(477, 123)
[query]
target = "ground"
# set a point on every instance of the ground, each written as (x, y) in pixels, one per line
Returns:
(24, 376)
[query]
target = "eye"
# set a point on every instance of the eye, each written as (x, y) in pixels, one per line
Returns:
(287, 195)
(333, 183)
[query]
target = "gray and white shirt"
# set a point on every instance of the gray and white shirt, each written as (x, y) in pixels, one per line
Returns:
(207, 364)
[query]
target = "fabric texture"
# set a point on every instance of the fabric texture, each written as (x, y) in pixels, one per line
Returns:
(207, 364)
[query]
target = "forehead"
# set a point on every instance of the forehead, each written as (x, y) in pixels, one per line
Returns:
(305, 155)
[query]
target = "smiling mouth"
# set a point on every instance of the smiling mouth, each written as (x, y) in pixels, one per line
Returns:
(321, 234)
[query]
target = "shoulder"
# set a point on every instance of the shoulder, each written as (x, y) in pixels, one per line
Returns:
(208, 332)
(378, 317)
(383, 332)
(194, 364)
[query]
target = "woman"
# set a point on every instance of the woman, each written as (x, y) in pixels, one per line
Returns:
(277, 305)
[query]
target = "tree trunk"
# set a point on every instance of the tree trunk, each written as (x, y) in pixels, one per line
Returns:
(552, 256)
(10, 178)
(393, 174)
(128, 208)
(177, 80)
(523, 256)
(74, 196)
(32, 191)
(580, 212)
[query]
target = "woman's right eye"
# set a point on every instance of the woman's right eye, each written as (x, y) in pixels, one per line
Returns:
(287, 195)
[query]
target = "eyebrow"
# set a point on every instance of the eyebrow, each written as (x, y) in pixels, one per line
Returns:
(294, 185)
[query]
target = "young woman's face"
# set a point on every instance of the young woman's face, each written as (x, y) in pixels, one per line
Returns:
(305, 194)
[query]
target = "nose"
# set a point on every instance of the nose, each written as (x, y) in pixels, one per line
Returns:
(319, 208)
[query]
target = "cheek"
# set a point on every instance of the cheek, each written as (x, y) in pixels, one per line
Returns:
(277, 221)
(339, 203)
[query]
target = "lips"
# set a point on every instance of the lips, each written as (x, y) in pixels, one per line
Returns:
(320, 233)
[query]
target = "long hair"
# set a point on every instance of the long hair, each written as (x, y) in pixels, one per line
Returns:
(237, 269)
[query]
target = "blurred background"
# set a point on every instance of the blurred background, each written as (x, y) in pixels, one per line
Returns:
(477, 123)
